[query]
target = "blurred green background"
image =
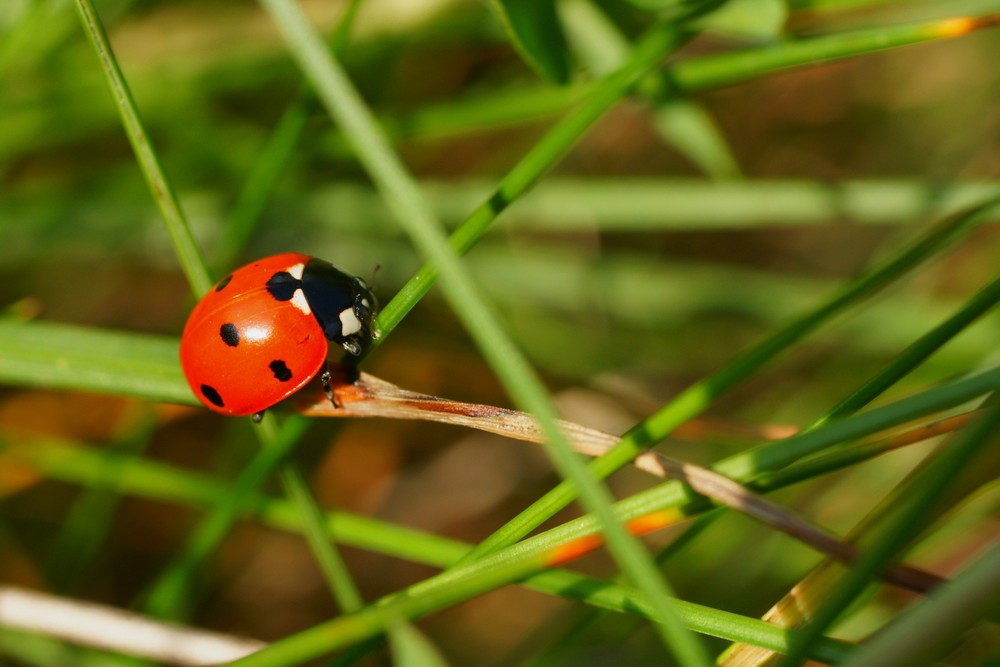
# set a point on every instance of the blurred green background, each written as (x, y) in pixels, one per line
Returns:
(642, 262)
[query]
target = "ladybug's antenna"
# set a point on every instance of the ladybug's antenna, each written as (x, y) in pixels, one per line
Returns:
(375, 270)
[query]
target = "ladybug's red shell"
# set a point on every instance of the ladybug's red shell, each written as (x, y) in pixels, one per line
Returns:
(242, 349)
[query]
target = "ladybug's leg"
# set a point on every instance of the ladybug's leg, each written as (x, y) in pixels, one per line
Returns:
(352, 345)
(324, 380)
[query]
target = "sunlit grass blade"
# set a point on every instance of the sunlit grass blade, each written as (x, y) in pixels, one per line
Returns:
(64, 356)
(535, 30)
(159, 185)
(715, 71)
(916, 353)
(404, 198)
(412, 649)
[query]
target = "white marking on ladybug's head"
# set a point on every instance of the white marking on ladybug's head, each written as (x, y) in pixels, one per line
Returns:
(300, 302)
(364, 302)
(296, 270)
(349, 322)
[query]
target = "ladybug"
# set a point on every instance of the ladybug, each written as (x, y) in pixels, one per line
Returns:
(263, 332)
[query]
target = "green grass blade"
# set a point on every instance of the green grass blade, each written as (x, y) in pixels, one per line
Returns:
(64, 356)
(920, 633)
(918, 352)
(715, 71)
(412, 649)
(925, 489)
(649, 51)
(404, 198)
(535, 30)
(745, 466)
(159, 185)
(332, 564)
(748, 19)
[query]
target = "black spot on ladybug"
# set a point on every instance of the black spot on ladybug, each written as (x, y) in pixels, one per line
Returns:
(282, 285)
(222, 283)
(212, 395)
(229, 334)
(281, 371)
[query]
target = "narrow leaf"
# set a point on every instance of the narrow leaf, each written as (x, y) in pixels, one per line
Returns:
(748, 19)
(411, 648)
(537, 34)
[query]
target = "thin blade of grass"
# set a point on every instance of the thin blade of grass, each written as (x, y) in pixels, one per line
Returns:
(149, 162)
(65, 356)
(341, 585)
(925, 489)
(716, 71)
(916, 353)
(404, 198)
(925, 630)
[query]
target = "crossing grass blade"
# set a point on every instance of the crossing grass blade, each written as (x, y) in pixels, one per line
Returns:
(410, 207)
